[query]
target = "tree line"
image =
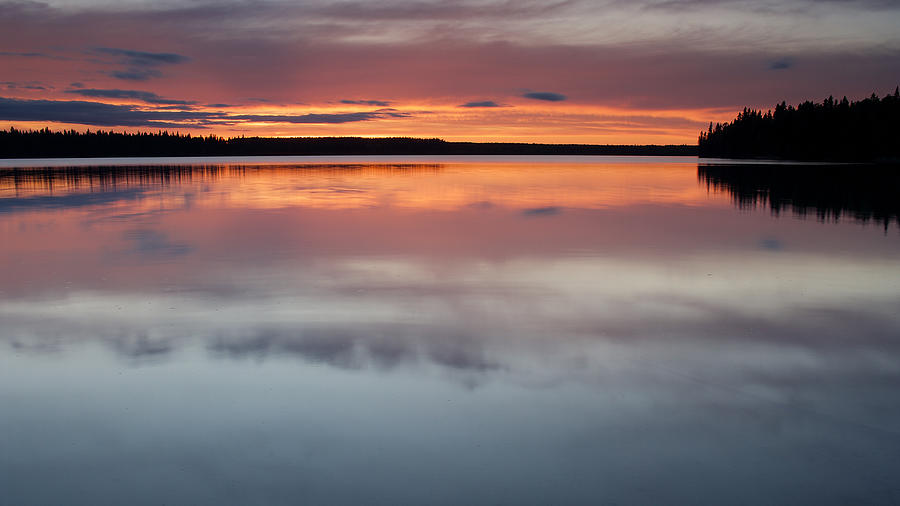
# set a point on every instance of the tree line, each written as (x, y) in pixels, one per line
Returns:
(46, 143)
(837, 130)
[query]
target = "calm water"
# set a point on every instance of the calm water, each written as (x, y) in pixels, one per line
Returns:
(603, 331)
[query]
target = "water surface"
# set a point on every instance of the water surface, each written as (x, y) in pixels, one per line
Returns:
(456, 330)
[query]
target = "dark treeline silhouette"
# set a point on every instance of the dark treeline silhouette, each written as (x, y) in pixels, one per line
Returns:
(867, 130)
(70, 143)
(829, 192)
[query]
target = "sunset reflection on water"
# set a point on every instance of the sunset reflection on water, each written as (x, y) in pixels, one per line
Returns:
(439, 331)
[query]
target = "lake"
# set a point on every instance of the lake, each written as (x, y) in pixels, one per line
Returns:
(448, 330)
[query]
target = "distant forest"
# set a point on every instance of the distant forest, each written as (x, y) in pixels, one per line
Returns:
(867, 130)
(70, 143)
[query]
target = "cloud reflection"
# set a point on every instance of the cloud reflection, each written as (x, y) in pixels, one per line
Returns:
(348, 347)
(367, 266)
(156, 243)
(268, 318)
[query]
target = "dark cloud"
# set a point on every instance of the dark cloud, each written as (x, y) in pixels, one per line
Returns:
(418, 10)
(135, 74)
(24, 55)
(486, 103)
(144, 96)
(781, 64)
(682, 5)
(545, 95)
(542, 211)
(30, 54)
(379, 103)
(143, 58)
(393, 113)
(481, 205)
(348, 117)
(140, 65)
(100, 114)
(32, 86)
(766, 7)
(175, 107)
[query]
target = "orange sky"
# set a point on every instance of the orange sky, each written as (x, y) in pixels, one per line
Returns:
(564, 123)
(481, 70)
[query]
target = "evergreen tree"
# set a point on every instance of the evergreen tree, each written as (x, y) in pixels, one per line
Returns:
(865, 130)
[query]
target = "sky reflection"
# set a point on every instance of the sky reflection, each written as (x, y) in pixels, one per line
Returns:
(529, 326)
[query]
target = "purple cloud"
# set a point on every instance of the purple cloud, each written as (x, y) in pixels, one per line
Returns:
(485, 103)
(545, 95)
(144, 96)
(100, 114)
(379, 103)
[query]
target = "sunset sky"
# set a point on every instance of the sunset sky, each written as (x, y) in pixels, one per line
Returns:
(587, 71)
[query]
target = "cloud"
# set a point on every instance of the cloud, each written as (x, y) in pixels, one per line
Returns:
(379, 103)
(418, 10)
(347, 117)
(765, 6)
(30, 54)
(100, 114)
(485, 103)
(140, 64)
(23, 55)
(781, 64)
(144, 96)
(135, 74)
(31, 86)
(542, 211)
(175, 107)
(143, 58)
(545, 95)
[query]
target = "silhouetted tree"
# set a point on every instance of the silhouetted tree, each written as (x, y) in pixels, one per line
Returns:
(70, 143)
(867, 130)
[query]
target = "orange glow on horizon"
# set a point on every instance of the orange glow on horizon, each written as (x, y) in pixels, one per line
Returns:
(562, 123)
